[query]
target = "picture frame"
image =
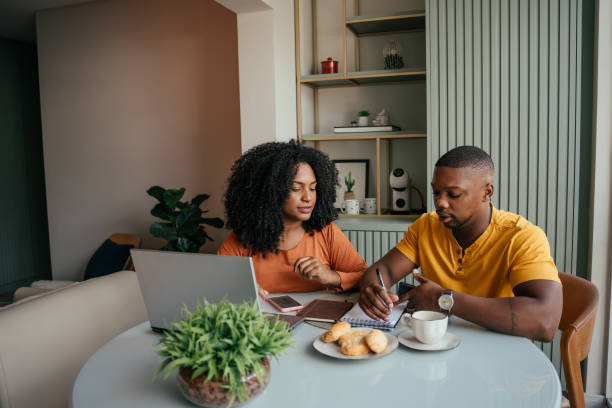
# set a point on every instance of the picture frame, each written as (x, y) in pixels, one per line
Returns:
(359, 169)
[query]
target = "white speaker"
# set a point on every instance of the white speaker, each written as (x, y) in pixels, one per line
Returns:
(401, 200)
(400, 190)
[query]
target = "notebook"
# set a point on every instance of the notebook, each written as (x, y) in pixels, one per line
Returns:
(292, 321)
(169, 280)
(357, 317)
(322, 310)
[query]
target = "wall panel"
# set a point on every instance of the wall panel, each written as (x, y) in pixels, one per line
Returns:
(504, 75)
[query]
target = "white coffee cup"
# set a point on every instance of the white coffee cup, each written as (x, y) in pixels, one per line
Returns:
(369, 205)
(351, 207)
(428, 327)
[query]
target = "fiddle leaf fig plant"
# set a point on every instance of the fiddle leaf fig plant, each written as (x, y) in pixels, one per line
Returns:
(183, 227)
(223, 341)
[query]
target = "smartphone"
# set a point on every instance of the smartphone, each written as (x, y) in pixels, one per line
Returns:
(285, 303)
(403, 287)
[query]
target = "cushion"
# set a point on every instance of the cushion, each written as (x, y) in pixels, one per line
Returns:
(109, 258)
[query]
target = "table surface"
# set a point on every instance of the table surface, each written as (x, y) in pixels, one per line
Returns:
(487, 369)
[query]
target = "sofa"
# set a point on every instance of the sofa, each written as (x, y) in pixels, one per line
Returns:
(46, 339)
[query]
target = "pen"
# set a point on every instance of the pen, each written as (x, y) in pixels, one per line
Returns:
(380, 279)
(382, 283)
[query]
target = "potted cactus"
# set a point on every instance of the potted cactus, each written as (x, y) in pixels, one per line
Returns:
(349, 181)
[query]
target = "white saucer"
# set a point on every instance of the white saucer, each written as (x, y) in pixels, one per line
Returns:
(448, 342)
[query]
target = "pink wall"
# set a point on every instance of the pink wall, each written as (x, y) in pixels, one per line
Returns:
(134, 93)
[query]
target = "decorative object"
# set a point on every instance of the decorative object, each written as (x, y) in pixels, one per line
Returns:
(349, 182)
(362, 129)
(350, 207)
(392, 54)
(329, 66)
(183, 230)
(362, 119)
(222, 351)
(400, 188)
(369, 205)
(382, 119)
(359, 172)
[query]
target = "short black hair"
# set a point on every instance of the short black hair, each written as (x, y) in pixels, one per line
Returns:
(259, 187)
(466, 156)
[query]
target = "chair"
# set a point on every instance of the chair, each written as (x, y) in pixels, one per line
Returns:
(127, 239)
(580, 300)
(46, 339)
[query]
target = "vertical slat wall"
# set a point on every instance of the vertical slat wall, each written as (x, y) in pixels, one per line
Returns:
(504, 75)
(373, 245)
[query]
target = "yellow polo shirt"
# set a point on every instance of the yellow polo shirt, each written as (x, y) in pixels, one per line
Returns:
(509, 252)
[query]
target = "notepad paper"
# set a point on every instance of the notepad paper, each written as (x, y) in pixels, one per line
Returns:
(357, 317)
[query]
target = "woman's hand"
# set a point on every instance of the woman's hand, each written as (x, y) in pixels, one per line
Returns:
(311, 268)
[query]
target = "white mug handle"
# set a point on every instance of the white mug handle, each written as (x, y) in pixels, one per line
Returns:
(408, 320)
(343, 207)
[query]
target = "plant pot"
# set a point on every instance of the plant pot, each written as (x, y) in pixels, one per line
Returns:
(362, 121)
(349, 195)
(212, 393)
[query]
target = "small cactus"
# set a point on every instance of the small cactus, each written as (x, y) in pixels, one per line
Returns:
(350, 182)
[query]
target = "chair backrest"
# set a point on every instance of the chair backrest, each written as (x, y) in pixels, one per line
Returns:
(127, 239)
(580, 300)
(45, 340)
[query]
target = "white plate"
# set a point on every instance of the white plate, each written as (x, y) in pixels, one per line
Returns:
(448, 342)
(333, 350)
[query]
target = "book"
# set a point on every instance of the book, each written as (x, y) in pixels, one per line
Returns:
(292, 321)
(321, 310)
(358, 129)
(357, 317)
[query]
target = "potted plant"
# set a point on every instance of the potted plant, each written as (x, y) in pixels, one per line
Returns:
(222, 351)
(363, 118)
(184, 228)
(349, 181)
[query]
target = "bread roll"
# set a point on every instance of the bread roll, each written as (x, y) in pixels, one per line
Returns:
(353, 344)
(336, 331)
(376, 341)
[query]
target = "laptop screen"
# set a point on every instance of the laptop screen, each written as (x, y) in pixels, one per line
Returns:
(169, 280)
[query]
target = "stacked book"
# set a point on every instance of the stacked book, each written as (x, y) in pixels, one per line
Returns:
(361, 129)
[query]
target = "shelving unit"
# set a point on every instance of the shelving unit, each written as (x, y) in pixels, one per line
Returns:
(360, 26)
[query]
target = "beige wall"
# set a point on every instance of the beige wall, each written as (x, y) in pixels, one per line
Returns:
(134, 93)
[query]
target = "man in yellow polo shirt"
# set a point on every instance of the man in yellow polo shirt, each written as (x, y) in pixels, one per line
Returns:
(482, 264)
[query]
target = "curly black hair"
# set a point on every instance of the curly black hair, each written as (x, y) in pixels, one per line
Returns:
(259, 187)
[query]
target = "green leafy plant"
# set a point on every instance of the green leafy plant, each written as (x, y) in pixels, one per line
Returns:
(223, 341)
(350, 182)
(183, 230)
(363, 113)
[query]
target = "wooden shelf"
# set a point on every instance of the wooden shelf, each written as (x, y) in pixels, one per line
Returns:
(398, 216)
(382, 24)
(364, 77)
(400, 134)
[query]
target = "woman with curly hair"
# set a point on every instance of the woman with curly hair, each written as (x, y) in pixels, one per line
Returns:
(280, 205)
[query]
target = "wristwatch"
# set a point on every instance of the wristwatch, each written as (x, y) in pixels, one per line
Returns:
(445, 301)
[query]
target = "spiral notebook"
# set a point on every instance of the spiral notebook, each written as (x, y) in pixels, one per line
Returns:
(357, 317)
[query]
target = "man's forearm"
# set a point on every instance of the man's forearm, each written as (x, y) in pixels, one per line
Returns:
(519, 316)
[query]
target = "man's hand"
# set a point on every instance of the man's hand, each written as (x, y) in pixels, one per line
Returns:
(377, 302)
(311, 268)
(425, 296)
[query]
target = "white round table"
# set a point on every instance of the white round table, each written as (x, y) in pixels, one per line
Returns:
(487, 369)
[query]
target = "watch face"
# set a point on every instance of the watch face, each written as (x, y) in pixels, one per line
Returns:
(445, 302)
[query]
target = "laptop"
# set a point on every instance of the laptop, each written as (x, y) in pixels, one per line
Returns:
(169, 280)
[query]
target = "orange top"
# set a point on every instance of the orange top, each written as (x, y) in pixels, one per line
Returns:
(275, 274)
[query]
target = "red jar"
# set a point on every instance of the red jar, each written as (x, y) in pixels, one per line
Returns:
(329, 67)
